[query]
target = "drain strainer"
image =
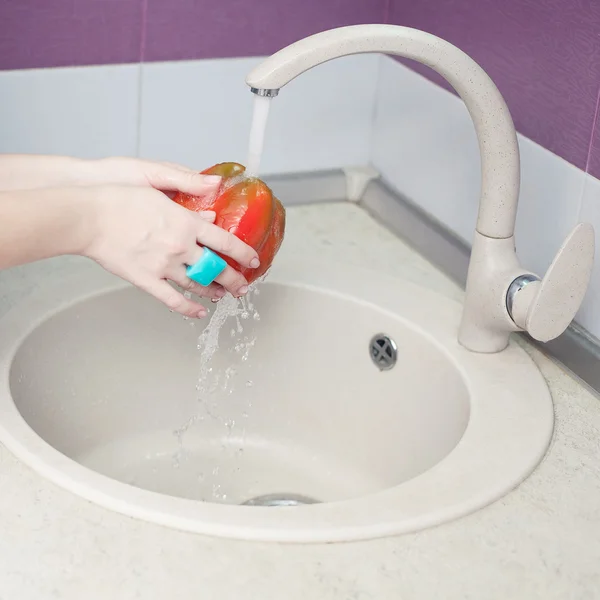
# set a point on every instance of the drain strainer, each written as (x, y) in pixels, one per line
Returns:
(280, 500)
(384, 351)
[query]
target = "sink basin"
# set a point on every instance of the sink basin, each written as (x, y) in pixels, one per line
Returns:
(296, 433)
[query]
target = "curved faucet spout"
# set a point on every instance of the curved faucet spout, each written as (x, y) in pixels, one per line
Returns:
(501, 296)
(493, 123)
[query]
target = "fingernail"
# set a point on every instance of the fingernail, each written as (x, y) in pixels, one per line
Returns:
(201, 314)
(220, 293)
(212, 179)
(243, 290)
(255, 263)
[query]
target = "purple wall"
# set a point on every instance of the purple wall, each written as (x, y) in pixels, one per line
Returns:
(184, 29)
(56, 33)
(544, 55)
(53, 33)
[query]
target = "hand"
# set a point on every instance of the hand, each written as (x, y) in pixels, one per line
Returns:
(164, 176)
(145, 238)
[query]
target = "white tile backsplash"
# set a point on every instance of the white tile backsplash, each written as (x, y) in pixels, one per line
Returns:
(551, 191)
(88, 112)
(198, 113)
(424, 144)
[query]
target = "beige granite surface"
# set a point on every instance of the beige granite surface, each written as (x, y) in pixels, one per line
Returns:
(540, 541)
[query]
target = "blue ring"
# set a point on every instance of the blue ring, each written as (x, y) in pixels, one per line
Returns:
(208, 267)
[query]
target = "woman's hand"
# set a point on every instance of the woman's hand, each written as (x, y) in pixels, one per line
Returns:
(116, 211)
(145, 238)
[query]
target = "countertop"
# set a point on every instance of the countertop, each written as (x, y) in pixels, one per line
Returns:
(540, 541)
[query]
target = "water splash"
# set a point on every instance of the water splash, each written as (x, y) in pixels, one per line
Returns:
(211, 380)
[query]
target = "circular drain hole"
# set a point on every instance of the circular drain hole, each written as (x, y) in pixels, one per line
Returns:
(280, 500)
(383, 351)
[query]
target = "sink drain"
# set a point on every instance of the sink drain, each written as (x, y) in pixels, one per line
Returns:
(280, 500)
(384, 351)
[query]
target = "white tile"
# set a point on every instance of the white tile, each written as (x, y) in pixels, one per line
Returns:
(198, 113)
(88, 112)
(589, 314)
(551, 190)
(424, 144)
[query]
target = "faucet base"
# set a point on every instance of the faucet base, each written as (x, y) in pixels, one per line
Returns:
(486, 324)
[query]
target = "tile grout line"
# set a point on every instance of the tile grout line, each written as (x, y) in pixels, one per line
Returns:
(375, 108)
(593, 133)
(387, 8)
(589, 155)
(142, 56)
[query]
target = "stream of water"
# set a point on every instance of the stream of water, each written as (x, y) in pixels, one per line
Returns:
(213, 384)
(262, 104)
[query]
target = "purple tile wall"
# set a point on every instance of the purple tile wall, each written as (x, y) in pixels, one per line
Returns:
(56, 33)
(53, 33)
(188, 29)
(544, 56)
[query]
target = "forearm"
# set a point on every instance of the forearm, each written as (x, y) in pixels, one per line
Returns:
(30, 171)
(38, 224)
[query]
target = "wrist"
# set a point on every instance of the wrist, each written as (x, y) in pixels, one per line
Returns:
(30, 171)
(75, 211)
(85, 204)
(44, 223)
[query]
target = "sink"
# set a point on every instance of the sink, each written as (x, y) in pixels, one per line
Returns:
(301, 432)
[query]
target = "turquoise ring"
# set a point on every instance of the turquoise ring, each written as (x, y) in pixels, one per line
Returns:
(208, 267)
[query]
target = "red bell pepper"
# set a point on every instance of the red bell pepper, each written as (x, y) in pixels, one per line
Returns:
(246, 207)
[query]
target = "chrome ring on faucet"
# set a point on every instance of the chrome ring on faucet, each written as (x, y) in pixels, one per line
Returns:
(515, 287)
(264, 93)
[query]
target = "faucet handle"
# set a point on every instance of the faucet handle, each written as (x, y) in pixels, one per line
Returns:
(546, 308)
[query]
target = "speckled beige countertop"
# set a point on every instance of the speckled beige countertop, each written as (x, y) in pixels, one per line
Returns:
(541, 541)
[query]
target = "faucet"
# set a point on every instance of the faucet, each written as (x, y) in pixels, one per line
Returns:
(500, 297)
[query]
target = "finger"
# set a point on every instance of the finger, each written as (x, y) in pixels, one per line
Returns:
(168, 178)
(214, 291)
(172, 165)
(226, 243)
(173, 299)
(233, 281)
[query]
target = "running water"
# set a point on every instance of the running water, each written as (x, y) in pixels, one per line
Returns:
(210, 382)
(257, 134)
